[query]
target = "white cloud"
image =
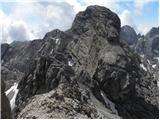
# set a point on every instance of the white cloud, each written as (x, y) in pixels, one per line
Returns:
(139, 5)
(54, 15)
(126, 18)
(111, 4)
(51, 15)
(13, 24)
(80, 6)
(58, 15)
(18, 31)
(2, 16)
(143, 29)
(76, 5)
(13, 29)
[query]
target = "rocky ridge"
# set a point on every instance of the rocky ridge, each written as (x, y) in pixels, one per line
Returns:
(85, 69)
(128, 35)
(146, 45)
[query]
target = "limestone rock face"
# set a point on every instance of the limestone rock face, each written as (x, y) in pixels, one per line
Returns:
(87, 71)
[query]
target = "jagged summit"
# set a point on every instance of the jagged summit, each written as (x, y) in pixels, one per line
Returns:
(99, 20)
(80, 73)
(154, 30)
(146, 45)
(128, 35)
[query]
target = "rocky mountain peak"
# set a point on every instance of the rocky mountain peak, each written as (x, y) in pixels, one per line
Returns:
(152, 43)
(128, 35)
(99, 20)
(153, 31)
(85, 70)
(53, 33)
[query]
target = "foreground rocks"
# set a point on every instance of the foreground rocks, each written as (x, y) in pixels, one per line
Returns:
(85, 72)
(59, 104)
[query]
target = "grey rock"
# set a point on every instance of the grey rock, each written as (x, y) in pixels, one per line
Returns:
(128, 35)
(5, 105)
(152, 43)
(87, 60)
(58, 104)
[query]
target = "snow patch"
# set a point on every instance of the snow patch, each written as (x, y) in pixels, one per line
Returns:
(41, 48)
(108, 103)
(154, 75)
(2, 61)
(51, 51)
(57, 40)
(142, 56)
(142, 66)
(154, 65)
(127, 82)
(149, 62)
(70, 63)
(11, 94)
(52, 38)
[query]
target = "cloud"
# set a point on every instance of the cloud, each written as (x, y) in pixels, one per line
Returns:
(143, 29)
(111, 4)
(13, 29)
(42, 17)
(139, 5)
(33, 19)
(126, 18)
(76, 4)
(29, 20)
(58, 15)
(18, 31)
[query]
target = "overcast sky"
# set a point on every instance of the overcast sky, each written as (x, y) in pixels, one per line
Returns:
(30, 19)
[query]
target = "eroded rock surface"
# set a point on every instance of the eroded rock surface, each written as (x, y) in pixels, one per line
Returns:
(89, 66)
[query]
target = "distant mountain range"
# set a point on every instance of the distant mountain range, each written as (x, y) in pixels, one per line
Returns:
(145, 45)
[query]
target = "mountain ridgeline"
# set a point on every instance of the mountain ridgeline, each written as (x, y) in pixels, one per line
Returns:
(147, 45)
(84, 72)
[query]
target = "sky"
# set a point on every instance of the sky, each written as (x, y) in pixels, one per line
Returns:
(22, 20)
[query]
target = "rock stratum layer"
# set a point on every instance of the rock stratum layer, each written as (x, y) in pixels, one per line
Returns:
(84, 72)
